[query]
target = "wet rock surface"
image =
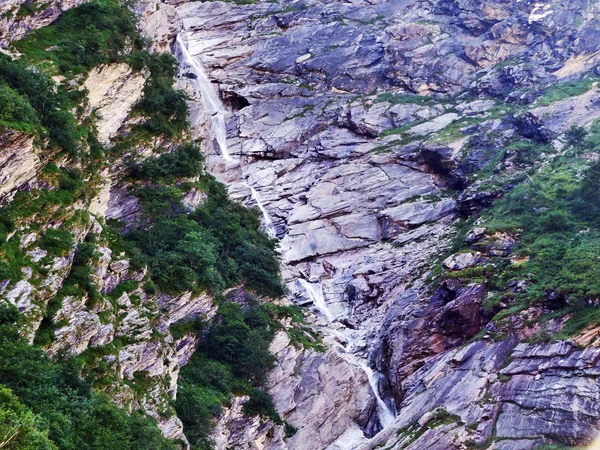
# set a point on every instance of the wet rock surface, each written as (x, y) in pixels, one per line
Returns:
(360, 126)
(361, 182)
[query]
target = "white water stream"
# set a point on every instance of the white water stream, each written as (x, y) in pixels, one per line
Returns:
(200, 82)
(386, 415)
(267, 221)
(314, 291)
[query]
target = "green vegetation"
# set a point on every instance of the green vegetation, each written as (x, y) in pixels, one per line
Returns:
(29, 97)
(163, 107)
(407, 99)
(77, 284)
(94, 33)
(556, 216)
(216, 246)
(568, 89)
(18, 425)
(16, 111)
(65, 408)
(233, 357)
(185, 162)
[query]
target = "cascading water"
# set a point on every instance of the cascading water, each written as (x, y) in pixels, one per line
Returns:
(199, 80)
(267, 221)
(315, 293)
(386, 415)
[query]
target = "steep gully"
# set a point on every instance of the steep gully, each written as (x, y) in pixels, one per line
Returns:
(196, 75)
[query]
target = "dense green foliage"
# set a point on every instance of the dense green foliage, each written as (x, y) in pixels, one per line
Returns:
(216, 246)
(185, 162)
(67, 409)
(15, 110)
(233, 357)
(94, 33)
(556, 216)
(28, 97)
(18, 425)
(164, 107)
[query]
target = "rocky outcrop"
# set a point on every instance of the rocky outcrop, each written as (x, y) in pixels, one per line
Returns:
(360, 185)
(20, 162)
(18, 17)
(112, 91)
(525, 394)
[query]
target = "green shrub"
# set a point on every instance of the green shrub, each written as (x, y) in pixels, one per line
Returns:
(185, 162)
(261, 403)
(163, 107)
(52, 105)
(84, 37)
(18, 425)
(16, 110)
(567, 89)
(56, 241)
(74, 417)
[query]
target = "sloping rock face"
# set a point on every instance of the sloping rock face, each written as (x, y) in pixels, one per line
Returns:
(522, 394)
(19, 162)
(359, 127)
(363, 181)
(112, 92)
(18, 17)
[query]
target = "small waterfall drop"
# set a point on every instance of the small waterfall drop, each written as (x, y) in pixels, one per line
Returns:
(315, 293)
(199, 80)
(386, 415)
(267, 221)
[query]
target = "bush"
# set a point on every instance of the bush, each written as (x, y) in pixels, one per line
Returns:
(57, 242)
(74, 417)
(15, 108)
(261, 403)
(185, 162)
(51, 105)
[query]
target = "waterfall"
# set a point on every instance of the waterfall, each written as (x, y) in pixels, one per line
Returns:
(199, 80)
(315, 293)
(386, 415)
(267, 221)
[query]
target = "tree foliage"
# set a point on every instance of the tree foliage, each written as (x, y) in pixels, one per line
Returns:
(60, 404)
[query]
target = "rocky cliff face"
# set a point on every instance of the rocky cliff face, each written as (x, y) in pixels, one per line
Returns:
(363, 180)
(367, 131)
